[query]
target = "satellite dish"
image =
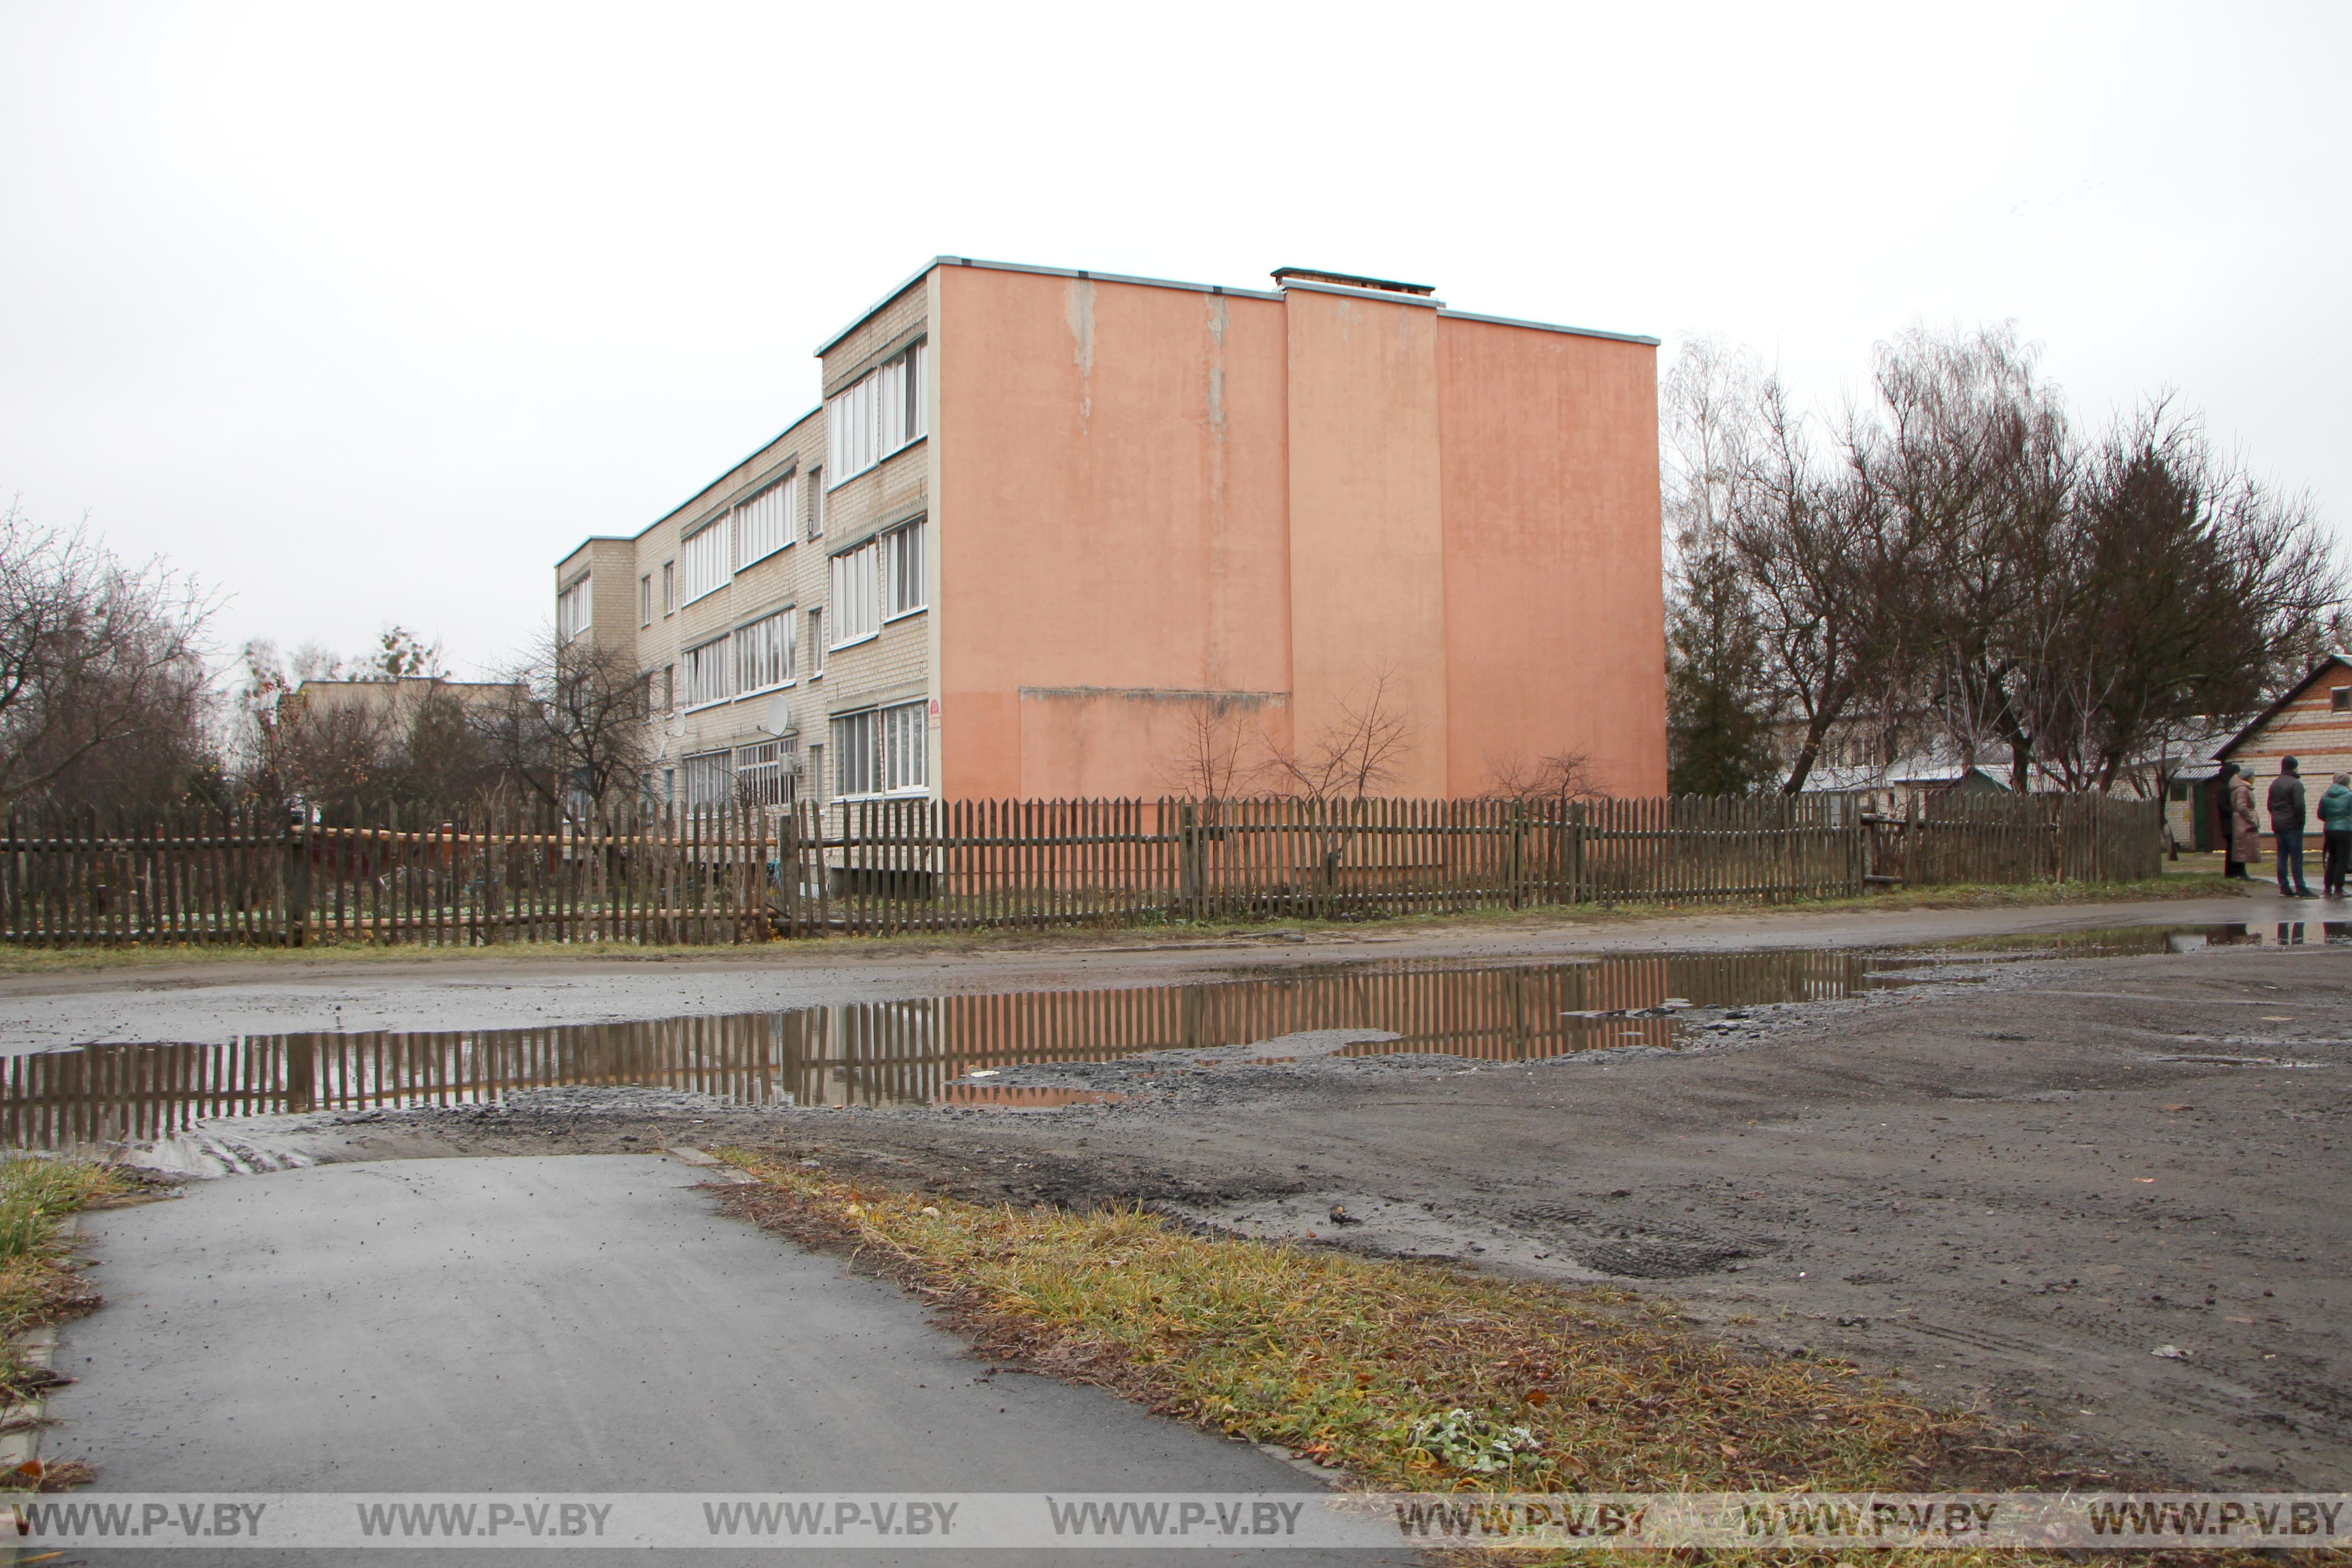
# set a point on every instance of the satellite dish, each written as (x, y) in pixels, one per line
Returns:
(780, 716)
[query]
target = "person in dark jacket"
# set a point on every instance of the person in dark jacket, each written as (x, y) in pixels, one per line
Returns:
(2288, 815)
(2336, 834)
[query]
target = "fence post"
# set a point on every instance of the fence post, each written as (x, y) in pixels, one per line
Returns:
(294, 879)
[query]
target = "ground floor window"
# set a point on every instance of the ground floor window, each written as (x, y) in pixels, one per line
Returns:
(709, 778)
(857, 753)
(765, 772)
(882, 750)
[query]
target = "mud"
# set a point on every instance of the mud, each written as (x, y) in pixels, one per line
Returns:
(2013, 1183)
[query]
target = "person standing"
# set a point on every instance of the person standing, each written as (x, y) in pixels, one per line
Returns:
(2223, 824)
(2288, 814)
(2336, 834)
(2245, 836)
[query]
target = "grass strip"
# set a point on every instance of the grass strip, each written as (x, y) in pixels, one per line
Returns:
(1404, 1376)
(41, 1282)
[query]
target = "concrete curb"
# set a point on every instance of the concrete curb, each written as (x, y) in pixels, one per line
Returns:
(710, 1165)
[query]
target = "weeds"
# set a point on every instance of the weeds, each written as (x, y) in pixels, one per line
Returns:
(1405, 1375)
(39, 1283)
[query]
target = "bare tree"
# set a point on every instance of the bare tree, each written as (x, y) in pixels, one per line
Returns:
(1564, 774)
(573, 729)
(1351, 755)
(1215, 757)
(1971, 457)
(2196, 588)
(95, 657)
(1720, 693)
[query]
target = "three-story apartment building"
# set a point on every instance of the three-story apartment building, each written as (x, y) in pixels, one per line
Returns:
(1046, 527)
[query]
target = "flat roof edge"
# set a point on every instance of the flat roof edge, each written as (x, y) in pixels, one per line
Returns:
(976, 263)
(1386, 296)
(593, 539)
(867, 314)
(687, 504)
(1550, 327)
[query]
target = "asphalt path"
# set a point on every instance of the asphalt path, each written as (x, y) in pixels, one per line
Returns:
(578, 1324)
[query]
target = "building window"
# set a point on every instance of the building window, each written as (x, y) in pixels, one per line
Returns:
(763, 653)
(706, 673)
(709, 778)
(816, 502)
(646, 600)
(856, 753)
(816, 642)
(669, 586)
(902, 572)
(857, 599)
(668, 688)
(905, 729)
(705, 555)
(765, 772)
(574, 610)
(2339, 699)
(763, 524)
(878, 415)
(882, 750)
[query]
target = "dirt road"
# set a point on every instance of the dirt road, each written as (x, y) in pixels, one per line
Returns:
(2103, 1195)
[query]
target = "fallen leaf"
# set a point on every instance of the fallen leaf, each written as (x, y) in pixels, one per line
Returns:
(1537, 1397)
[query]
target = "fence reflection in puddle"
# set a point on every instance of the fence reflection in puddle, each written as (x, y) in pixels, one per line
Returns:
(921, 1053)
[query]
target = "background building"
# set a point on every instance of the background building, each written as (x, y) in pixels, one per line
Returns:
(1053, 532)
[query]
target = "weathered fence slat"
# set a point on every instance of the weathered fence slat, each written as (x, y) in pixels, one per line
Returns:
(736, 872)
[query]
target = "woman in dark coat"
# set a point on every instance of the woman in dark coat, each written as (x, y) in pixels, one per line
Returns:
(2245, 833)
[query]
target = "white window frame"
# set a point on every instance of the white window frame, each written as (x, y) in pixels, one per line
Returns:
(767, 771)
(903, 567)
(766, 523)
(880, 414)
(906, 748)
(816, 620)
(857, 753)
(857, 597)
(706, 552)
(669, 587)
(708, 669)
(575, 608)
(816, 488)
(767, 654)
(646, 600)
(888, 748)
(709, 778)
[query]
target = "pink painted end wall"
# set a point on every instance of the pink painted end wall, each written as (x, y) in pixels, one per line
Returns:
(1144, 492)
(1109, 501)
(1555, 622)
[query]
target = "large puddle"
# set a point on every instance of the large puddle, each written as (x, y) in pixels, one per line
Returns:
(926, 1051)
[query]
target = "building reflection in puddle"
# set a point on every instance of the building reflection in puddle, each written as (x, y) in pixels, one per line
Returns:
(923, 1052)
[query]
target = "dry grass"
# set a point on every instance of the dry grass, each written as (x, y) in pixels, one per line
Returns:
(39, 1281)
(1402, 1375)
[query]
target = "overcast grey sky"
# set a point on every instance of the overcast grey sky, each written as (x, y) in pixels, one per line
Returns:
(367, 314)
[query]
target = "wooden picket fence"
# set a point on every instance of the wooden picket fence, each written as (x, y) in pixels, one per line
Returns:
(489, 874)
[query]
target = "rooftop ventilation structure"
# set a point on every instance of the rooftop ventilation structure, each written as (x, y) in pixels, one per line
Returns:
(1287, 274)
